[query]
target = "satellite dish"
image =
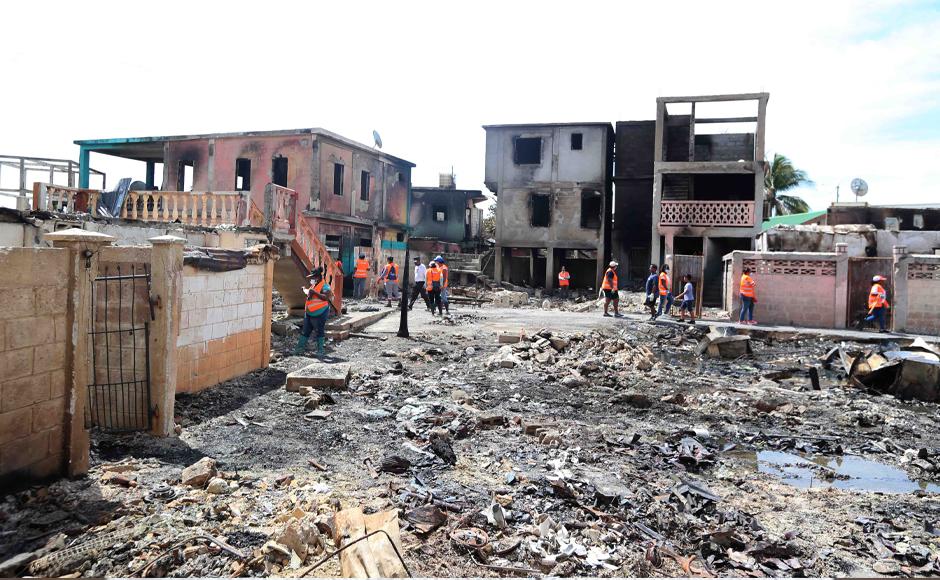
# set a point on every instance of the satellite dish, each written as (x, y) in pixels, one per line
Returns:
(859, 187)
(377, 138)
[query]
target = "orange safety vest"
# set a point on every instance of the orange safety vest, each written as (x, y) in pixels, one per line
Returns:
(563, 278)
(877, 298)
(362, 269)
(664, 284)
(748, 286)
(316, 303)
(433, 275)
(389, 270)
(445, 276)
(609, 284)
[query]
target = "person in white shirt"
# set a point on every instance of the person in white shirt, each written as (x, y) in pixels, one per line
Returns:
(421, 272)
(688, 299)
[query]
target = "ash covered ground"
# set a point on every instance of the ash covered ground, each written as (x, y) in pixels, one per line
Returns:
(593, 448)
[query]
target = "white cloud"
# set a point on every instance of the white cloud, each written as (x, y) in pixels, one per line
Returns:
(428, 74)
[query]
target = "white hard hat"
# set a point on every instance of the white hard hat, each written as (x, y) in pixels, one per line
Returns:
(613, 263)
(878, 278)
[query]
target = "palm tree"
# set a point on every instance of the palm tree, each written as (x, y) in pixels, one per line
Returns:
(782, 176)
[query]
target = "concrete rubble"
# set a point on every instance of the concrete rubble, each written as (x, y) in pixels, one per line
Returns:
(573, 446)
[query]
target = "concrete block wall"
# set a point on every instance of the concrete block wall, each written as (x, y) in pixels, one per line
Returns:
(34, 286)
(222, 326)
(793, 289)
(916, 302)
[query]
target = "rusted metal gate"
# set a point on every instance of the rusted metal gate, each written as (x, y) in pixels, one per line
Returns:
(119, 349)
(861, 271)
(682, 265)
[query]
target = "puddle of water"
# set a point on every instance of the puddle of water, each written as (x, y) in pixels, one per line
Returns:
(851, 473)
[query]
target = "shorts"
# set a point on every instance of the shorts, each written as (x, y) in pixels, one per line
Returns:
(687, 305)
(612, 294)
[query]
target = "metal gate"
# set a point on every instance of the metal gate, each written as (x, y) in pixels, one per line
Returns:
(861, 271)
(682, 265)
(119, 349)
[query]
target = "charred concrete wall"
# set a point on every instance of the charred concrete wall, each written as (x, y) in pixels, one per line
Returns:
(861, 240)
(911, 218)
(633, 196)
(223, 329)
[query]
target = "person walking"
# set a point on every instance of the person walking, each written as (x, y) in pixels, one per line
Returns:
(665, 291)
(611, 289)
(419, 289)
(433, 285)
(688, 300)
(445, 282)
(316, 311)
(390, 278)
(748, 292)
(564, 282)
(360, 274)
(878, 303)
(651, 290)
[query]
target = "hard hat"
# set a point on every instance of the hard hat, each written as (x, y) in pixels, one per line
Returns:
(878, 278)
(613, 263)
(439, 260)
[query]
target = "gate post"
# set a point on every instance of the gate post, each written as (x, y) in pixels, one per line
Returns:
(841, 299)
(166, 285)
(83, 247)
(899, 294)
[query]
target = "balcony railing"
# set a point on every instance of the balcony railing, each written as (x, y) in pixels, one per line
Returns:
(724, 213)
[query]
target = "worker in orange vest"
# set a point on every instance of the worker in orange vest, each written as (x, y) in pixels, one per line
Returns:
(359, 276)
(445, 282)
(564, 282)
(878, 303)
(748, 297)
(434, 283)
(390, 278)
(665, 291)
(611, 288)
(316, 311)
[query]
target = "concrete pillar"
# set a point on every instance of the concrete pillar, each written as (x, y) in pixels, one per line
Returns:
(266, 317)
(898, 294)
(151, 169)
(841, 298)
(655, 254)
(83, 167)
(83, 247)
(549, 268)
(166, 289)
(532, 254)
(498, 264)
(670, 242)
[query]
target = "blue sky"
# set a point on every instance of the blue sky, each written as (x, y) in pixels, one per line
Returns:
(854, 86)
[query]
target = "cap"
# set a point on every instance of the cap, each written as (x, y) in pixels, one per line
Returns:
(315, 273)
(878, 278)
(613, 263)
(439, 259)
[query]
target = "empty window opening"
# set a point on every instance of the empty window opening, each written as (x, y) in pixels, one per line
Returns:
(185, 175)
(400, 237)
(332, 242)
(279, 171)
(365, 242)
(577, 141)
(591, 209)
(440, 213)
(364, 183)
(338, 178)
(242, 174)
(527, 150)
(400, 177)
(541, 210)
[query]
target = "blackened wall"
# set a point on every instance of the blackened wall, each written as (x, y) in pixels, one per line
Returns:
(633, 195)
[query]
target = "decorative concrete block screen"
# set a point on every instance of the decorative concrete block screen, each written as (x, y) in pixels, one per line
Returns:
(34, 286)
(792, 289)
(221, 326)
(706, 213)
(923, 294)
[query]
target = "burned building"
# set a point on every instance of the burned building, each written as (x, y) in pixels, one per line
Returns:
(351, 197)
(446, 219)
(633, 197)
(708, 181)
(554, 189)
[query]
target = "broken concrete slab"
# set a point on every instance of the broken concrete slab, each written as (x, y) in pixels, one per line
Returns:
(320, 374)
(509, 337)
(197, 474)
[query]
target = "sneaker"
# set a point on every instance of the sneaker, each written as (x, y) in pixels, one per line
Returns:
(607, 315)
(884, 330)
(691, 322)
(752, 322)
(618, 315)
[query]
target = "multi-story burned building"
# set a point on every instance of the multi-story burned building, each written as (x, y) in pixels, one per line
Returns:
(553, 184)
(352, 197)
(446, 219)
